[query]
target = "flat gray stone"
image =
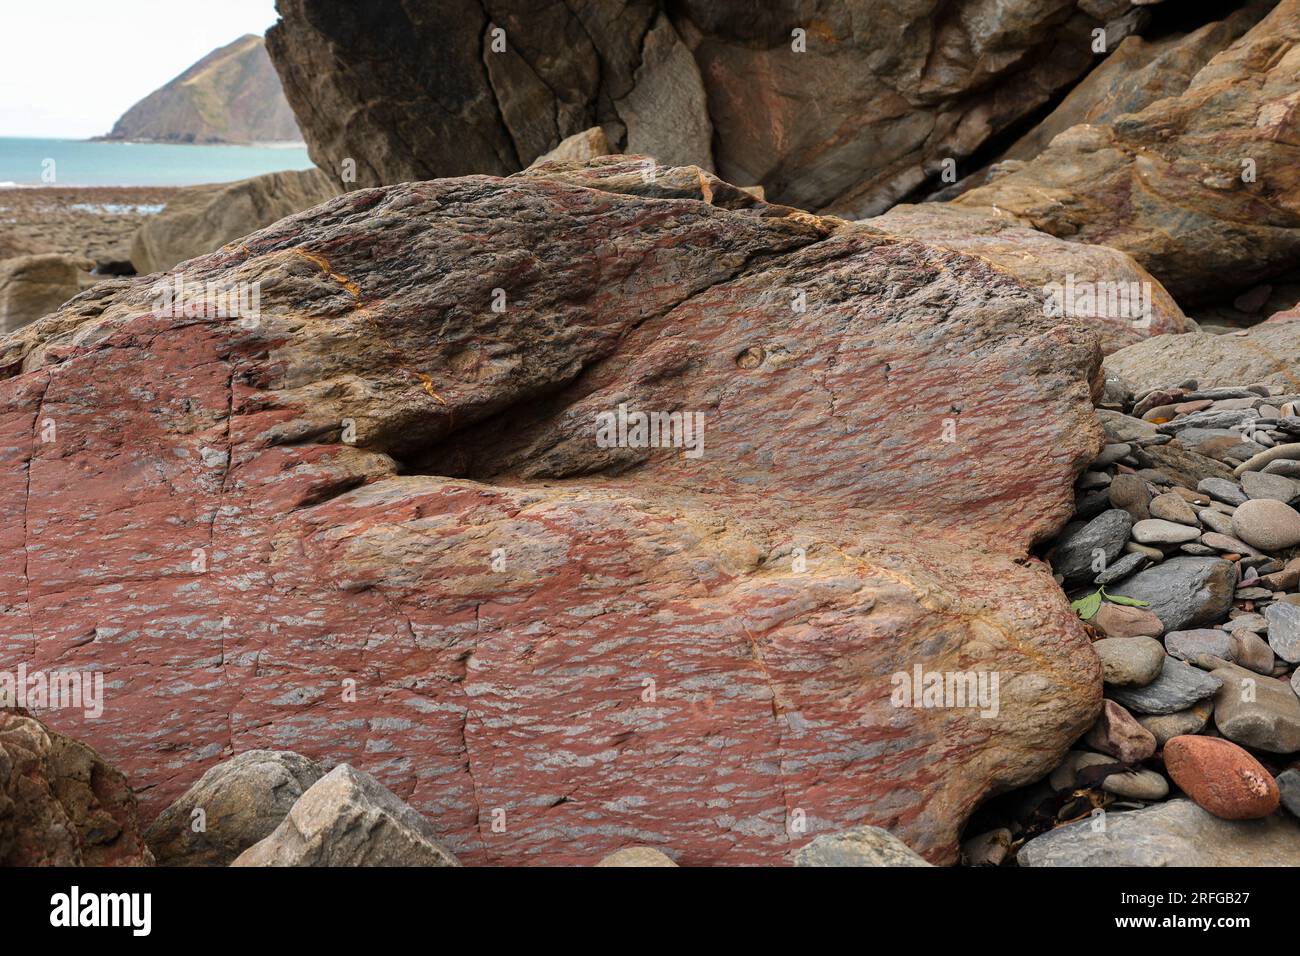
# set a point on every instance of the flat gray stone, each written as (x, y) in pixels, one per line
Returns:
(1284, 630)
(1175, 833)
(860, 846)
(1259, 484)
(1126, 564)
(1165, 727)
(1221, 489)
(348, 818)
(1288, 783)
(1216, 521)
(1178, 687)
(1159, 531)
(1257, 711)
(1184, 591)
(1198, 642)
(1077, 549)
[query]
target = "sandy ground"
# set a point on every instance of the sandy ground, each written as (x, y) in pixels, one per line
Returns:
(92, 221)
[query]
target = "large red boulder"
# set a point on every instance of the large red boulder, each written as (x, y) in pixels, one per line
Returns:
(375, 525)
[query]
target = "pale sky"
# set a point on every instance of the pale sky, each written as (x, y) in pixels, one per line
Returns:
(70, 68)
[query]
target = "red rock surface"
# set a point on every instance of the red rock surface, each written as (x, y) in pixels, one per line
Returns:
(197, 527)
(61, 804)
(1222, 777)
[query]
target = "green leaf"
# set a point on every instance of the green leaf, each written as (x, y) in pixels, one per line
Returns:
(1086, 607)
(1127, 601)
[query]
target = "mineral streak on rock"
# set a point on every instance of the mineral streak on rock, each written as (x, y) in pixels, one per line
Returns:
(284, 534)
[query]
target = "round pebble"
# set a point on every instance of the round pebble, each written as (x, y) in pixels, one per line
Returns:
(1221, 777)
(1266, 524)
(1131, 661)
(1137, 785)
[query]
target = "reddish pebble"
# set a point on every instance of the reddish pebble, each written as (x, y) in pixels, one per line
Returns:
(1221, 777)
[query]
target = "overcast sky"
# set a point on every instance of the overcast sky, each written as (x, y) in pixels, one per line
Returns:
(70, 68)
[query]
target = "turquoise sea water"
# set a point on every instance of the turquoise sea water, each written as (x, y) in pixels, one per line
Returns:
(83, 163)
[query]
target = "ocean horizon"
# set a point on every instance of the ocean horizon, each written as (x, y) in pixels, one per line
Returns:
(30, 161)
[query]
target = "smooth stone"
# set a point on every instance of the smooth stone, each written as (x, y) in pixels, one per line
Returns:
(637, 856)
(1190, 645)
(1209, 419)
(1151, 554)
(1130, 661)
(1288, 785)
(1216, 521)
(1165, 727)
(1129, 493)
(1137, 785)
(1184, 591)
(1284, 630)
(1174, 833)
(1226, 544)
(1124, 429)
(1251, 651)
(1191, 497)
(1158, 531)
(1110, 454)
(1122, 620)
(1178, 687)
(1118, 733)
(1221, 777)
(1258, 712)
(1122, 568)
(1197, 550)
(1287, 468)
(1222, 489)
(1254, 594)
(1093, 479)
(1289, 451)
(1066, 775)
(859, 846)
(1172, 507)
(1266, 524)
(1106, 533)
(1274, 487)
(1248, 620)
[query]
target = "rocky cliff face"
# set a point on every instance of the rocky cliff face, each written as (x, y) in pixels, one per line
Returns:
(232, 95)
(1200, 188)
(841, 107)
(377, 524)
